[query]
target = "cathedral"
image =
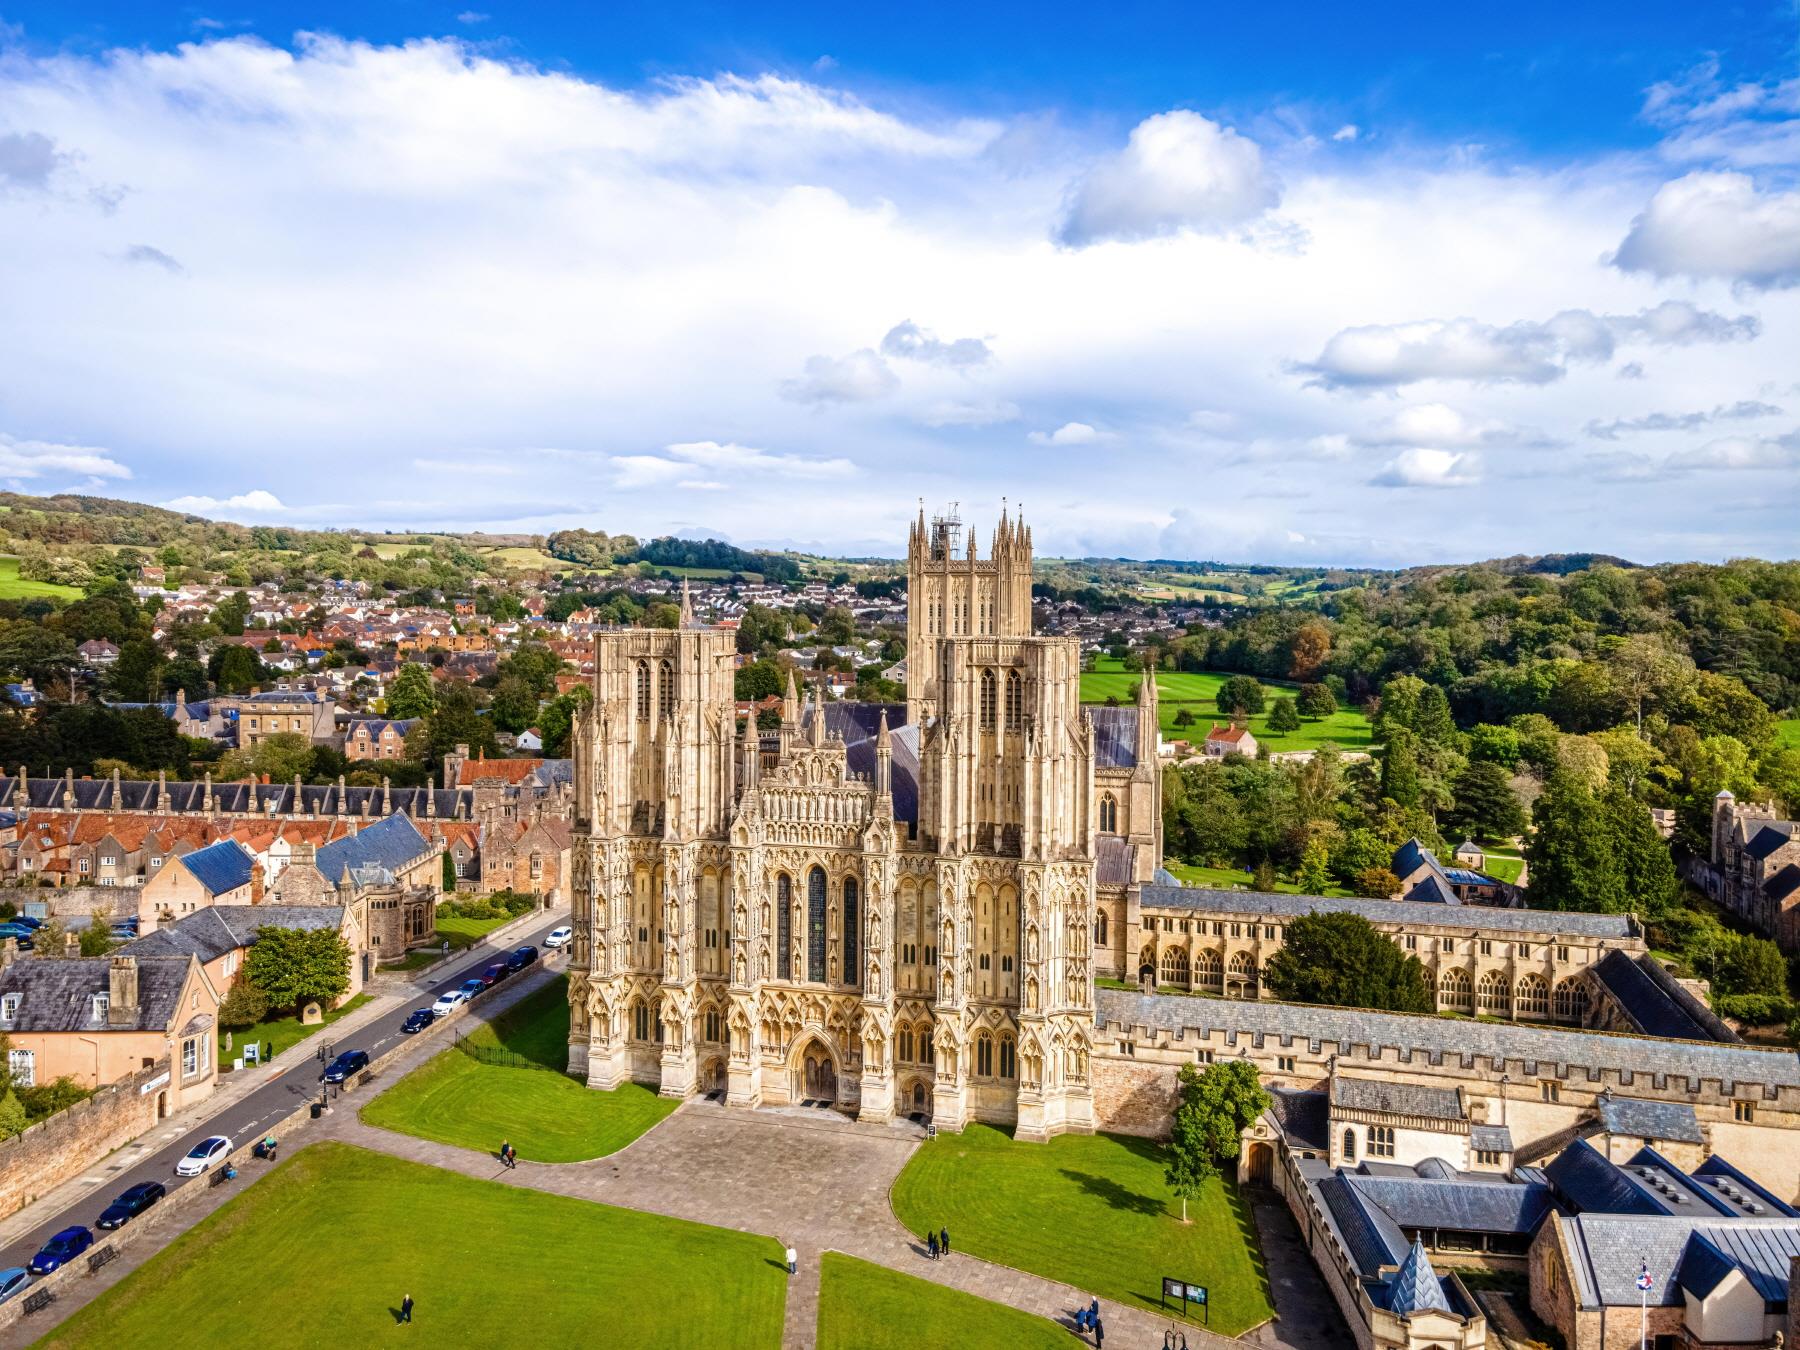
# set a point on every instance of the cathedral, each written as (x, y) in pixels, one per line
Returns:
(886, 909)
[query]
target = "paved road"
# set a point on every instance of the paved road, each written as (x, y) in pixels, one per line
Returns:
(245, 1119)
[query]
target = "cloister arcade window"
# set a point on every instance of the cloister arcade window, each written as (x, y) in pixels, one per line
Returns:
(1209, 971)
(643, 691)
(784, 927)
(1532, 997)
(1109, 814)
(1454, 990)
(1571, 1001)
(852, 931)
(1175, 966)
(1491, 995)
(815, 925)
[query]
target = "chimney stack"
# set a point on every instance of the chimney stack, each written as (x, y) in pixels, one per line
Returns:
(256, 883)
(122, 991)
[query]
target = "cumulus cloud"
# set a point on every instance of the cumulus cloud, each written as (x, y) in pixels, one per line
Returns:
(41, 459)
(1391, 355)
(257, 501)
(1348, 132)
(688, 463)
(1717, 225)
(155, 257)
(1178, 171)
(1741, 452)
(1430, 468)
(906, 339)
(1069, 433)
(856, 378)
(1438, 424)
(28, 159)
(1613, 429)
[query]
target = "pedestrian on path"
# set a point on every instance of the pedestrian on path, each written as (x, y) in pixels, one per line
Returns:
(793, 1260)
(944, 1241)
(268, 1051)
(1093, 1312)
(1099, 1334)
(406, 1309)
(931, 1245)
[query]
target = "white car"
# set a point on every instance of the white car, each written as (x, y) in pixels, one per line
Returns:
(446, 1001)
(203, 1155)
(559, 936)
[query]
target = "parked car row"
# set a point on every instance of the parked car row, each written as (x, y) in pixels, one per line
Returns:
(73, 1241)
(474, 982)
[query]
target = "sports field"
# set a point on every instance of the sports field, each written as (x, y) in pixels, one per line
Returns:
(1198, 694)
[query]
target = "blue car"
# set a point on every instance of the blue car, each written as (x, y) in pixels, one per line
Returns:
(521, 958)
(346, 1065)
(61, 1249)
(15, 930)
(418, 1021)
(12, 1280)
(132, 1201)
(472, 987)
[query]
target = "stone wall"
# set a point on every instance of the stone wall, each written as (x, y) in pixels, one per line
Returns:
(54, 1150)
(1132, 1098)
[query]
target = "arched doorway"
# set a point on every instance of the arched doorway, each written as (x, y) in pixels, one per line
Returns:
(917, 1100)
(712, 1078)
(815, 1073)
(1262, 1163)
(162, 1106)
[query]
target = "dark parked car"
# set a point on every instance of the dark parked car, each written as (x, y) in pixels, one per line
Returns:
(30, 922)
(346, 1065)
(494, 974)
(61, 1249)
(420, 1019)
(131, 1202)
(522, 958)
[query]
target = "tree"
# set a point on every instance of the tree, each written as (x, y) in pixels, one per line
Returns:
(1310, 649)
(97, 939)
(280, 756)
(515, 704)
(1212, 1112)
(1315, 867)
(1751, 965)
(412, 693)
(1316, 700)
(1400, 768)
(756, 680)
(1345, 961)
(1184, 718)
(1570, 851)
(1239, 695)
(293, 966)
(1284, 716)
(1375, 883)
(12, 1115)
(244, 1006)
(1486, 805)
(235, 668)
(1646, 867)
(134, 677)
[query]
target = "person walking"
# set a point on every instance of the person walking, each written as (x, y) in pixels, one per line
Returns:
(793, 1260)
(944, 1241)
(406, 1309)
(1093, 1312)
(1099, 1333)
(931, 1245)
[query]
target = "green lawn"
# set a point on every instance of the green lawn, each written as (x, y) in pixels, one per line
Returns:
(1198, 693)
(549, 1117)
(321, 1249)
(465, 932)
(1231, 878)
(15, 587)
(1502, 867)
(1787, 733)
(868, 1307)
(285, 1031)
(1089, 1210)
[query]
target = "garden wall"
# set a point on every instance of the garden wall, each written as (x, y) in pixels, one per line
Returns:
(69, 1142)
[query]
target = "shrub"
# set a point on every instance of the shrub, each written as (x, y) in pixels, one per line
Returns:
(244, 1006)
(1757, 1010)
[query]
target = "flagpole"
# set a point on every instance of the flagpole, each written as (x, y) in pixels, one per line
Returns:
(1643, 1285)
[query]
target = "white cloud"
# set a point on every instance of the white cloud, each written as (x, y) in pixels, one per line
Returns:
(1069, 433)
(1742, 452)
(856, 378)
(906, 339)
(1178, 171)
(473, 16)
(28, 159)
(155, 257)
(1430, 468)
(969, 413)
(257, 501)
(39, 459)
(1709, 225)
(1348, 132)
(680, 464)
(1612, 429)
(1391, 355)
(1438, 424)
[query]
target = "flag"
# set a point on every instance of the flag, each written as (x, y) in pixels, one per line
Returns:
(1643, 1280)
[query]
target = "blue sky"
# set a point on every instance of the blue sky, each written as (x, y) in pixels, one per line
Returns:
(1376, 284)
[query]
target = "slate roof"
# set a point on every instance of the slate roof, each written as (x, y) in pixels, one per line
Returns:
(1542, 1049)
(389, 844)
(1771, 837)
(1415, 1286)
(1303, 1116)
(1533, 922)
(1115, 860)
(1460, 1202)
(57, 994)
(1675, 1122)
(856, 724)
(1395, 1098)
(1412, 855)
(1432, 889)
(210, 933)
(1369, 1234)
(1783, 884)
(1607, 1251)
(1646, 1002)
(1722, 1176)
(1587, 1182)
(1115, 736)
(220, 867)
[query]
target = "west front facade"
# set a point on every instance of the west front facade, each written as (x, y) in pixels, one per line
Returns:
(889, 909)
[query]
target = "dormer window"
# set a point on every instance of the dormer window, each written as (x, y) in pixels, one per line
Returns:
(100, 1004)
(9, 1007)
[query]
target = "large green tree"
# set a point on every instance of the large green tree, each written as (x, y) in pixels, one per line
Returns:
(412, 693)
(1241, 694)
(1212, 1111)
(1486, 805)
(1570, 850)
(1345, 961)
(294, 966)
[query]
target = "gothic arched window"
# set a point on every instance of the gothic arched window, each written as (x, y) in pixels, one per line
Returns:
(1015, 701)
(784, 927)
(1009, 1056)
(815, 925)
(904, 1051)
(643, 691)
(1109, 814)
(666, 692)
(984, 1055)
(1100, 929)
(1349, 1146)
(852, 931)
(987, 699)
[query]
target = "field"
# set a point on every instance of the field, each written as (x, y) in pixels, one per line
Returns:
(1347, 728)
(868, 1307)
(1231, 878)
(1089, 1210)
(455, 1098)
(321, 1250)
(462, 932)
(15, 587)
(284, 1030)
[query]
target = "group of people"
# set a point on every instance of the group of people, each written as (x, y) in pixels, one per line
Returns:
(509, 1156)
(1088, 1319)
(938, 1244)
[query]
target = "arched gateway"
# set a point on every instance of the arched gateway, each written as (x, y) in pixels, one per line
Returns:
(815, 1072)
